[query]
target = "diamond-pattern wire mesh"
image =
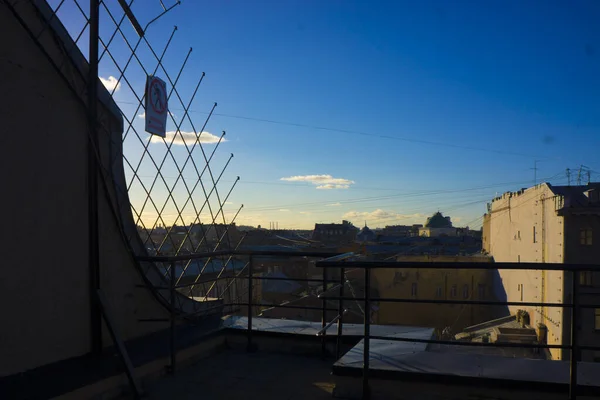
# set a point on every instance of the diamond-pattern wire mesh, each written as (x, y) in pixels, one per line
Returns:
(171, 182)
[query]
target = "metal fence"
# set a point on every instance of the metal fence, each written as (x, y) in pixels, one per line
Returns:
(574, 347)
(247, 274)
(347, 262)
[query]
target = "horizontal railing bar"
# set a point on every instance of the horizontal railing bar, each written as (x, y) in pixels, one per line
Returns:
(274, 278)
(455, 265)
(588, 347)
(184, 285)
(153, 319)
(340, 257)
(427, 301)
(194, 256)
(266, 278)
(473, 344)
(269, 306)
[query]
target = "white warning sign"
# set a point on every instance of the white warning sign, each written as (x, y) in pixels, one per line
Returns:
(156, 106)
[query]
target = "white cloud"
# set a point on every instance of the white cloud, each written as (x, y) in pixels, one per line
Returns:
(229, 202)
(284, 210)
(187, 138)
(305, 212)
(334, 204)
(382, 215)
(324, 182)
(330, 186)
(111, 83)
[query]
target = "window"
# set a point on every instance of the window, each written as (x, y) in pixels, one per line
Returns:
(534, 237)
(453, 291)
(413, 289)
(481, 290)
(438, 292)
(585, 278)
(466, 291)
(585, 236)
(520, 289)
(597, 319)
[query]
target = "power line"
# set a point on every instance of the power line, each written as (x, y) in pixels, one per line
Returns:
(378, 198)
(354, 132)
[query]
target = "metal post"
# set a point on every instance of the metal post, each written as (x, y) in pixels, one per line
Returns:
(250, 289)
(341, 314)
(367, 333)
(574, 350)
(172, 319)
(94, 251)
(324, 315)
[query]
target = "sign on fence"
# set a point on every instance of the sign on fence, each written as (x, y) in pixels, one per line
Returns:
(156, 106)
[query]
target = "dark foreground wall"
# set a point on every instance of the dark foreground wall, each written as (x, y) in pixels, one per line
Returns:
(44, 281)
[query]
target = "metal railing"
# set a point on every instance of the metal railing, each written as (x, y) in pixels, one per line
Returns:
(574, 347)
(346, 262)
(249, 277)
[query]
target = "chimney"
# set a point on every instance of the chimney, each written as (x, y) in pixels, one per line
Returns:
(592, 195)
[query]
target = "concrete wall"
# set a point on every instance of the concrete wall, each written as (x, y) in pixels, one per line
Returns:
(45, 287)
(524, 227)
(486, 234)
(434, 284)
(511, 225)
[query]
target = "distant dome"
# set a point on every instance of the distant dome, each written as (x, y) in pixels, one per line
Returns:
(437, 220)
(366, 235)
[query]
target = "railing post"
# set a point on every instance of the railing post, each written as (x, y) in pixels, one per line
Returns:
(574, 349)
(367, 334)
(338, 342)
(324, 315)
(250, 290)
(92, 171)
(172, 349)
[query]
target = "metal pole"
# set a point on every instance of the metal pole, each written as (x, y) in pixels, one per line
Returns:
(172, 319)
(574, 349)
(367, 333)
(250, 289)
(94, 251)
(341, 314)
(324, 316)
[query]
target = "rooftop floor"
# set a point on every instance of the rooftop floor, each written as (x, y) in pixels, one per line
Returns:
(288, 364)
(241, 375)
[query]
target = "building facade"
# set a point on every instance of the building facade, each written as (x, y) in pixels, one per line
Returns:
(335, 233)
(434, 284)
(548, 224)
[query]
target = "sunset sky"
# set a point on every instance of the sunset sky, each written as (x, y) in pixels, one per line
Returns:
(383, 112)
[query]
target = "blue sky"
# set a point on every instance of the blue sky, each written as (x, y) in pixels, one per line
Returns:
(428, 105)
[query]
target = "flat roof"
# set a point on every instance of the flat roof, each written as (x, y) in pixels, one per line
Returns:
(393, 359)
(289, 326)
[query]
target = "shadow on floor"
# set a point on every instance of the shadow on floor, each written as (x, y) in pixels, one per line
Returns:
(241, 375)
